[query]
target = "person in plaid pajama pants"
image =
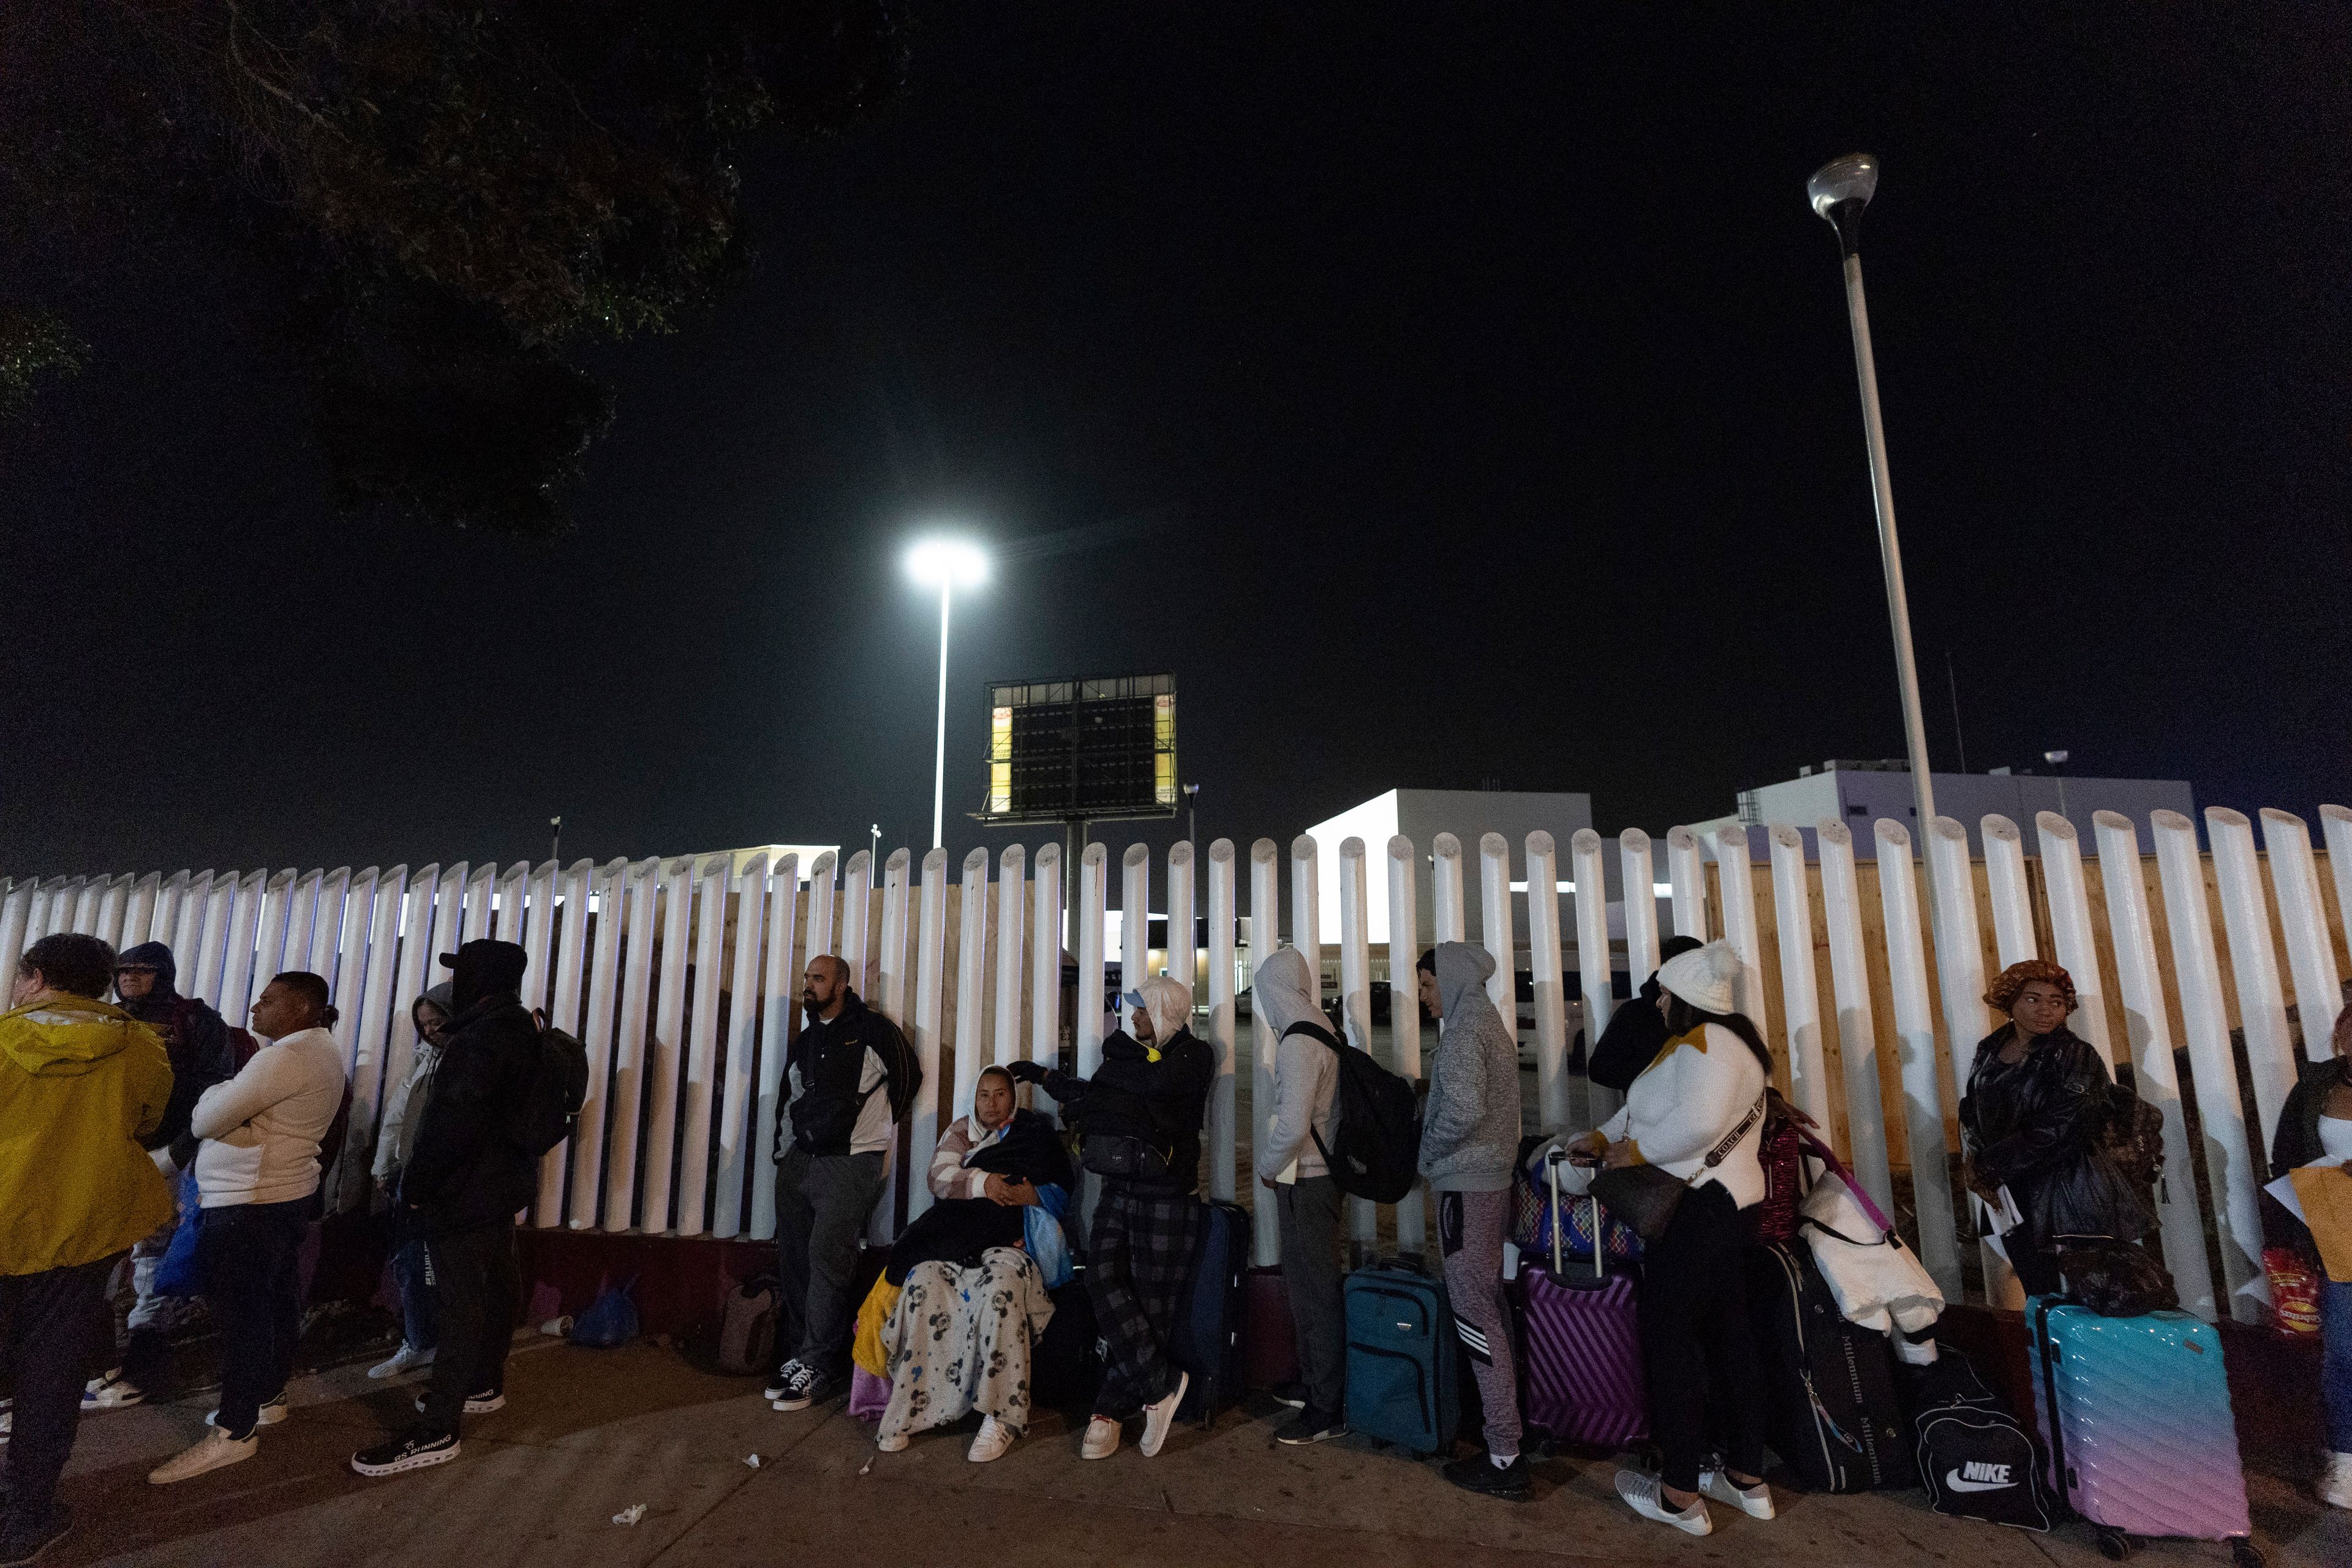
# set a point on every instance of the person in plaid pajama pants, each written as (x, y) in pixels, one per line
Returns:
(1145, 1103)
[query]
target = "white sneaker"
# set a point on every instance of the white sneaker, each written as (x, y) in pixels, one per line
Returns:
(1102, 1438)
(111, 1393)
(1157, 1418)
(407, 1358)
(993, 1438)
(272, 1413)
(896, 1442)
(1647, 1496)
(2335, 1481)
(214, 1450)
(1755, 1501)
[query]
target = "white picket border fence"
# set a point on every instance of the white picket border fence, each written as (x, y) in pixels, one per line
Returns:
(678, 1136)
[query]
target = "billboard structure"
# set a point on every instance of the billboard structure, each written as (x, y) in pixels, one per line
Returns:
(1094, 749)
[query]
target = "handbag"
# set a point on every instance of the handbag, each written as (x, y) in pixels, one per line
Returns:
(1123, 1155)
(1646, 1197)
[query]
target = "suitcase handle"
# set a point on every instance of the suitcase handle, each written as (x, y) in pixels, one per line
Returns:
(1559, 1267)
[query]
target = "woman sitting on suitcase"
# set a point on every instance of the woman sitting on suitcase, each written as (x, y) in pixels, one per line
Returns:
(967, 1283)
(2036, 1102)
(1141, 1117)
(1695, 1114)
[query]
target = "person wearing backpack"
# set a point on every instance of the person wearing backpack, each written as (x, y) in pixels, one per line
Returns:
(471, 1170)
(1290, 1164)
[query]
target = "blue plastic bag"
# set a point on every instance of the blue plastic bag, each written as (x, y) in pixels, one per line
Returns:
(611, 1320)
(1042, 1234)
(179, 1273)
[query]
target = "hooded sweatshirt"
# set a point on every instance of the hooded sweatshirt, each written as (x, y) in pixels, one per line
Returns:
(404, 1108)
(196, 1039)
(82, 1084)
(1470, 1133)
(1306, 1072)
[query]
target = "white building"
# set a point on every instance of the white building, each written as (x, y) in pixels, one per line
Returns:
(1859, 794)
(1421, 815)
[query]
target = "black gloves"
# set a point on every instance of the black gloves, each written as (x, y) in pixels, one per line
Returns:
(1026, 1072)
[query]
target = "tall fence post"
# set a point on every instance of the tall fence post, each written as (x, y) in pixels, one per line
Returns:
(2336, 827)
(608, 888)
(1045, 964)
(890, 964)
(1866, 1112)
(1914, 1032)
(1265, 935)
(1446, 889)
(1356, 992)
(737, 1083)
(1222, 1153)
(1737, 877)
(1960, 964)
(930, 962)
(2254, 963)
(1404, 1007)
(1594, 982)
(1687, 875)
(667, 1052)
(1549, 972)
(1801, 1003)
(1495, 931)
(1093, 893)
(1640, 879)
(2213, 1072)
(632, 1045)
(857, 909)
(2070, 928)
(1134, 925)
(972, 984)
(2303, 915)
(1183, 947)
(2012, 905)
(1012, 898)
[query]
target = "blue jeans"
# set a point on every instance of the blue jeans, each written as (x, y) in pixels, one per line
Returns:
(420, 1320)
(2335, 1361)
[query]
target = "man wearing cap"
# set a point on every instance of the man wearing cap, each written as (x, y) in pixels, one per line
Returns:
(850, 1077)
(1140, 1115)
(464, 1182)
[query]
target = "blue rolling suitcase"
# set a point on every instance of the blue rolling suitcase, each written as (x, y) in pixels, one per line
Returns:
(1404, 1362)
(1208, 1339)
(2136, 1415)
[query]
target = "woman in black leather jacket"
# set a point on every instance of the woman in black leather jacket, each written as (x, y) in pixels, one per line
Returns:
(2036, 1103)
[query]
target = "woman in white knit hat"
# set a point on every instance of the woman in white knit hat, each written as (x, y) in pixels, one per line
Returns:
(1695, 1113)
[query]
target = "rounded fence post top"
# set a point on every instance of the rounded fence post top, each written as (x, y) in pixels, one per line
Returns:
(1446, 846)
(2172, 822)
(1996, 825)
(977, 860)
(1222, 851)
(1786, 836)
(934, 862)
(1495, 844)
(1949, 830)
(1830, 830)
(1303, 846)
(2113, 819)
(1137, 855)
(900, 858)
(1634, 838)
(1263, 851)
(861, 861)
(1049, 856)
(1541, 843)
(1013, 857)
(1352, 848)
(2050, 825)
(2226, 817)
(1400, 848)
(1585, 842)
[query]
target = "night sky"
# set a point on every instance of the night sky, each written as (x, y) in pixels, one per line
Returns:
(1479, 378)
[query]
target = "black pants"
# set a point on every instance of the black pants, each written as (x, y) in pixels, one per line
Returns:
(247, 1252)
(822, 1201)
(1309, 1210)
(49, 1317)
(1698, 1346)
(477, 1286)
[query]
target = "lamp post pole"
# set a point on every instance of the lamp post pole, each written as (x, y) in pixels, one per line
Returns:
(947, 565)
(939, 755)
(1839, 191)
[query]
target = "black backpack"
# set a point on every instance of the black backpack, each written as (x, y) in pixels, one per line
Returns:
(558, 1088)
(1376, 1147)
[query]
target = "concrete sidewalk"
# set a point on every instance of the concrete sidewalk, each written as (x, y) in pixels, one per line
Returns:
(586, 1434)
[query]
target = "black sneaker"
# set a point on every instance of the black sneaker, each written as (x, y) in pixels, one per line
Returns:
(413, 1452)
(22, 1542)
(780, 1387)
(480, 1404)
(1480, 1474)
(1311, 1426)
(810, 1387)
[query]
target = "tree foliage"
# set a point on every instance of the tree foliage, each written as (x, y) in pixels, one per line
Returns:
(434, 199)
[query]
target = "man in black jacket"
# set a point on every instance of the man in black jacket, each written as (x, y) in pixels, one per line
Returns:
(1141, 1116)
(849, 1077)
(146, 978)
(460, 1189)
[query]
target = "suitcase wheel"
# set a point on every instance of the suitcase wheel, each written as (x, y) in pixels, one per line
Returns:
(2114, 1545)
(2245, 1554)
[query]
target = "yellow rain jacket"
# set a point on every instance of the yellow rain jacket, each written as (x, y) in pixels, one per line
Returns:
(80, 1083)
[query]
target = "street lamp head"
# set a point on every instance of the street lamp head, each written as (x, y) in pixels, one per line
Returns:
(948, 564)
(1839, 189)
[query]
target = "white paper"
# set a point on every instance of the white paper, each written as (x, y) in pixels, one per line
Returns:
(2284, 1190)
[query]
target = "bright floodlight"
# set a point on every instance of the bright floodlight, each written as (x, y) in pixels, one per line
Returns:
(1853, 178)
(948, 564)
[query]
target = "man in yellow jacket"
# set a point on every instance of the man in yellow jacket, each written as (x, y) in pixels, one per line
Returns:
(81, 1081)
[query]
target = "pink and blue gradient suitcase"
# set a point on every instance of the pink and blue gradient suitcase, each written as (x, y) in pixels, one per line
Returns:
(1580, 1372)
(2135, 1415)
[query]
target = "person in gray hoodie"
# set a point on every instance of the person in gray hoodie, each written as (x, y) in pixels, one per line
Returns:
(1290, 1164)
(404, 1113)
(1469, 1140)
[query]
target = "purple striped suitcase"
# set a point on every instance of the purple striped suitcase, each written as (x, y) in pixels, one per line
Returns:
(1582, 1370)
(2135, 1415)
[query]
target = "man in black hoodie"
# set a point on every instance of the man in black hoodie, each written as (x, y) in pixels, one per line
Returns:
(850, 1078)
(461, 1188)
(146, 978)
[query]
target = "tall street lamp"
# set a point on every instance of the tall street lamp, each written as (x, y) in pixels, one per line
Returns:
(946, 564)
(1839, 191)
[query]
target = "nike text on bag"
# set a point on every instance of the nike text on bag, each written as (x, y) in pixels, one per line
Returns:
(1375, 1149)
(1977, 1462)
(558, 1088)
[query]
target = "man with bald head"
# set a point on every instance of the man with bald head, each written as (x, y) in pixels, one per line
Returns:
(849, 1078)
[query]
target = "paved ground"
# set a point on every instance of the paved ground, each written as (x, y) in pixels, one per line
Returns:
(590, 1432)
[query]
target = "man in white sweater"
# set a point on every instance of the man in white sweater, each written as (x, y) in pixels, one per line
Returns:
(1289, 1164)
(255, 1170)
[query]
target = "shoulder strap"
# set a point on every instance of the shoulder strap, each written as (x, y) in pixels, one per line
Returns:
(1313, 1031)
(1715, 1156)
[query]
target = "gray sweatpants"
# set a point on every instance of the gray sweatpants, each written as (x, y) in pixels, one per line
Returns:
(1470, 1230)
(822, 1201)
(1309, 1228)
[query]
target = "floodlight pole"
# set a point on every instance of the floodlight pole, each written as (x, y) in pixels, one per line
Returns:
(939, 755)
(1839, 191)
